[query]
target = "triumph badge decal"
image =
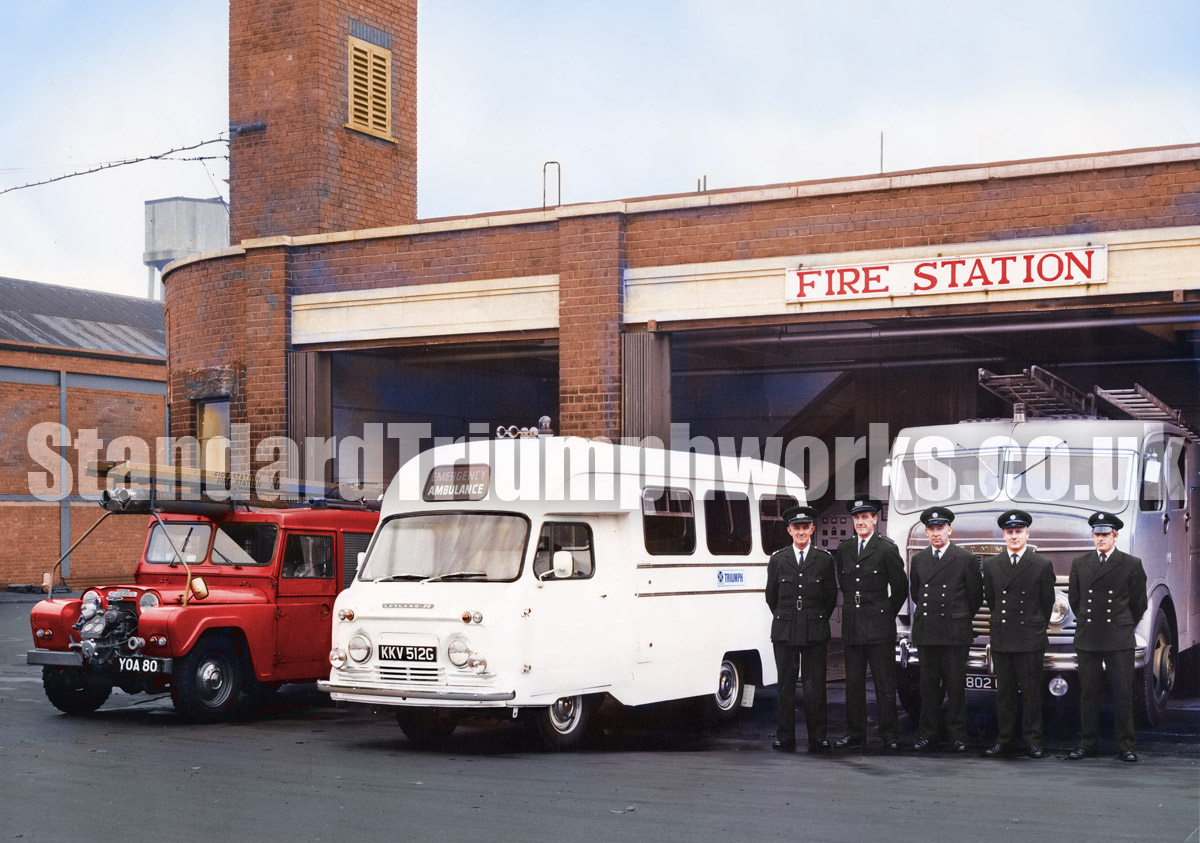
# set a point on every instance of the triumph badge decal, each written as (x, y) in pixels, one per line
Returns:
(730, 579)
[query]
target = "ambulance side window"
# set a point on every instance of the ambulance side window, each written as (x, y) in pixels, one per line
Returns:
(668, 521)
(572, 537)
(771, 525)
(727, 523)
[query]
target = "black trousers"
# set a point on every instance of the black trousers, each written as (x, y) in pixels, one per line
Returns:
(1094, 667)
(787, 661)
(882, 658)
(1019, 676)
(943, 676)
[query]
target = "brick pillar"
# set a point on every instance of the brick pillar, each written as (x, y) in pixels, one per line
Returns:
(295, 168)
(591, 308)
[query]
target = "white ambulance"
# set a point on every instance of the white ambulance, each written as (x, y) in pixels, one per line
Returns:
(539, 576)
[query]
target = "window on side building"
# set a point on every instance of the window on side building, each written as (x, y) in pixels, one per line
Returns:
(212, 431)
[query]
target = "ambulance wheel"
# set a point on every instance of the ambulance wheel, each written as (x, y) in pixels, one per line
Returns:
(564, 723)
(722, 706)
(1153, 683)
(425, 728)
(74, 691)
(207, 682)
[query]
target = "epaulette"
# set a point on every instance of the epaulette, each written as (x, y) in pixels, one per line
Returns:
(888, 539)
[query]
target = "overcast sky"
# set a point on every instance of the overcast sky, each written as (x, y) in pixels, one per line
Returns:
(633, 97)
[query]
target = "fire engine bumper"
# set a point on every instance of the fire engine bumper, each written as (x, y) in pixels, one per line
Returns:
(397, 696)
(979, 659)
(54, 658)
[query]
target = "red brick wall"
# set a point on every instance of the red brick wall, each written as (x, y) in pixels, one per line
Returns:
(110, 554)
(305, 172)
(590, 312)
(31, 544)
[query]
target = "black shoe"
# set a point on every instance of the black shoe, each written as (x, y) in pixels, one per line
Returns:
(784, 746)
(923, 745)
(1035, 752)
(959, 746)
(995, 750)
(1127, 755)
(818, 747)
(891, 746)
(1079, 752)
(847, 741)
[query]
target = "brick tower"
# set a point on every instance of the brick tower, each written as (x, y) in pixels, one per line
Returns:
(323, 115)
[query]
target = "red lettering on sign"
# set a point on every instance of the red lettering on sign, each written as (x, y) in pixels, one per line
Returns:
(930, 279)
(845, 285)
(1042, 267)
(829, 273)
(805, 285)
(1086, 271)
(870, 279)
(978, 273)
(954, 265)
(1004, 267)
(1028, 279)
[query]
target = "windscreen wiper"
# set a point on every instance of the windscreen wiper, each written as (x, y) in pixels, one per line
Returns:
(455, 575)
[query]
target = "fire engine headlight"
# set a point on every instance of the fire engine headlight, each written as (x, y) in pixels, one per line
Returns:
(458, 651)
(359, 648)
(1059, 612)
(148, 600)
(337, 657)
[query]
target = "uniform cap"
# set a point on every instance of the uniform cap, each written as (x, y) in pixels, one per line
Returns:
(1015, 518)
(863, 504)
(937, 515)
(800, 515)
(1105, 522)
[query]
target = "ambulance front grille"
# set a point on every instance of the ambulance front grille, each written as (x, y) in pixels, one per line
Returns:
(412, 673)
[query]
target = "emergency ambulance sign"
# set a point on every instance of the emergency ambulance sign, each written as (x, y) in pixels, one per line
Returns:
(458, 483)
(1000, 273)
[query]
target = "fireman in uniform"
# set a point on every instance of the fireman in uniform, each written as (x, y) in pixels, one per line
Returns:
(874, 589)
(947, 590)
(1107, 593)
(1018, 587)
(802, 593)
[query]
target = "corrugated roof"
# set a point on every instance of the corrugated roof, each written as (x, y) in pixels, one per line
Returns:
(66, 317)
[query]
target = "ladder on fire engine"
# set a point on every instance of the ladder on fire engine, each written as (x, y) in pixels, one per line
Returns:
(1041, 393)
(1139, 403)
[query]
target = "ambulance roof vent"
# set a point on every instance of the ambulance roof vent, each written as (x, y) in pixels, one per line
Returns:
(514, 432)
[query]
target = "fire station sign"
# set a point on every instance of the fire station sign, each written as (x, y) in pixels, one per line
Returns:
(999, 273)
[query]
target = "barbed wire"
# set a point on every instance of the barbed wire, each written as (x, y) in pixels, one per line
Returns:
(162, 156)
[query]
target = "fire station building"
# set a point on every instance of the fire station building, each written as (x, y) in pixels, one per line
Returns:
(812, 308)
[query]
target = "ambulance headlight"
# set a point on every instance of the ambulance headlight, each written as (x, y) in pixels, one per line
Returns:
(1059, 612)
(359, 648)
(337, 657)
(458, 651)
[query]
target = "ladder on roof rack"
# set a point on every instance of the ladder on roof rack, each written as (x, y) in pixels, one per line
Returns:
(1042, 393)
(1139, 403)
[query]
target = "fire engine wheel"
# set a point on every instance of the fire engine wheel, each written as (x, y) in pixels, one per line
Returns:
(426, 728)
(74, 691)
(208, 681)
(721, 707)
(564, 723)
(1155, 681)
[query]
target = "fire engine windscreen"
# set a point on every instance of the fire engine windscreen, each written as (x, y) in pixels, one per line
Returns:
(471, 546)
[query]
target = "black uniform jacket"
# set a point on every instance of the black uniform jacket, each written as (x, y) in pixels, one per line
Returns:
(801, 599)
(868, 607)
(1020, 600)
(946, 594)
(1108, 600)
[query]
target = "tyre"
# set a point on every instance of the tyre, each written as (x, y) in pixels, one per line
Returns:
(722, 706)
(75, 691)
(908, 686)
(1153, 683)
(564, 723)
(426, 728)
(207, 683)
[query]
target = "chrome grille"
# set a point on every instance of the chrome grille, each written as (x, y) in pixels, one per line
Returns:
(412, 673)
